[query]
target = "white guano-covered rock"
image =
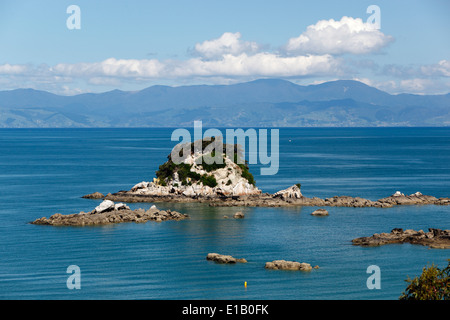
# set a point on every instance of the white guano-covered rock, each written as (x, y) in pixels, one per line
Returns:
(106, 205)
(289, 193)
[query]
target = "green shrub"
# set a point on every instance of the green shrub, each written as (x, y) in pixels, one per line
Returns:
(432, 284)
(208, 181)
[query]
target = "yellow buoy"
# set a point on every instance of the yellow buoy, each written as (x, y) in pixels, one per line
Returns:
(245, 284)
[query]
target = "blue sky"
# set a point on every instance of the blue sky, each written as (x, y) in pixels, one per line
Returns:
(130, 45)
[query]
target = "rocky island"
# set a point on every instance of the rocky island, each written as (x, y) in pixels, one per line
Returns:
(227, 182)
(230, 183)
(109, 212)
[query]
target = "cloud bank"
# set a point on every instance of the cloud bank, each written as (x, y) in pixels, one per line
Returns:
(323, 50)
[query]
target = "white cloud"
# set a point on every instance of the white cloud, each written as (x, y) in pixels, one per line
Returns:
(442, 68)
(349, 35)
(111, 68)
(228, 43)
(242, 65)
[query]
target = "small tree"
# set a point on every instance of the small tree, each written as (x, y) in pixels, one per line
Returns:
(432, 284)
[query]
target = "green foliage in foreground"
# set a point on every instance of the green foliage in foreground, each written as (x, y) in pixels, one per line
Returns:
(432, 284)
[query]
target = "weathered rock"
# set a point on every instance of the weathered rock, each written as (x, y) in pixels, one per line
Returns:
(320, 212)
(220, 258)
(95, 195)
(239, 215)
(106, 205)
(435, 238)
(289, 193)
(288, 265)
(110, 216)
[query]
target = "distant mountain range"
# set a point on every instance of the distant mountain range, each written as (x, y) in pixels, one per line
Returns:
(260, 103)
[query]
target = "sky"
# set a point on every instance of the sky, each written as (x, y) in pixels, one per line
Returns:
(398, 46)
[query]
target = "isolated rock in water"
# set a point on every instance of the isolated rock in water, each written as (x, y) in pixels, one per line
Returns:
(220, 258)
(239, 215)
(289, 193)
(106, 205)
(288, 265)
(320, 212)
(434, 238)
(95, 195)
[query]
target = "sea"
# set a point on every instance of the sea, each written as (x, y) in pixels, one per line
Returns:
(47, 171)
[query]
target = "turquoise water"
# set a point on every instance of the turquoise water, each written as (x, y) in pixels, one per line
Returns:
(44, 171)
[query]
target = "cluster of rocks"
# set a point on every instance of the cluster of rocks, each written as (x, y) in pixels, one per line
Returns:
(274, 265)
(434, 238)
(109, 212)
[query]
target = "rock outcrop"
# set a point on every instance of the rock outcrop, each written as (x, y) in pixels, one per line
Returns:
(220, 258)
(399, 198)
(95, 195)
(289, 193)
(109, 212)
(434, 238)
(288, 265)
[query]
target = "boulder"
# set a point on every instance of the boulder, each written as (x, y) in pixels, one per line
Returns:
(288, 265)
(239, 215)
(106, 205)
(320, 212)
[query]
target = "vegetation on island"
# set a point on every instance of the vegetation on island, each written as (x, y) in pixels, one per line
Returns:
(187, 177)
(432, 284)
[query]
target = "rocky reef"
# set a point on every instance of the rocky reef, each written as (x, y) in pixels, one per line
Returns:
(109, 212)
(221, 258)
(434, 238)
(287, 197)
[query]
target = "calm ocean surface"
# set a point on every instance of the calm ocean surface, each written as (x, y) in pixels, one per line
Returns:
(44, 171)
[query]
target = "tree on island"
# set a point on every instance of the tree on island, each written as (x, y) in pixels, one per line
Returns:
(432, 284)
